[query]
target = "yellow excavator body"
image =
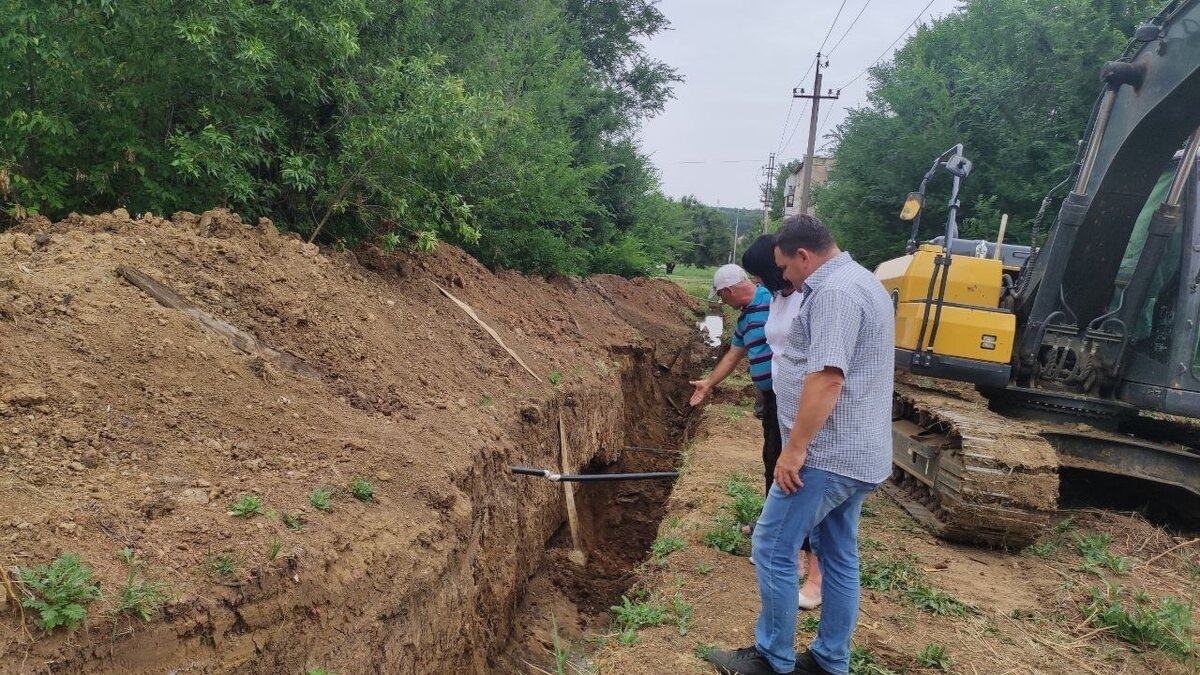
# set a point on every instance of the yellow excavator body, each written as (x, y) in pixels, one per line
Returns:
(971, 324)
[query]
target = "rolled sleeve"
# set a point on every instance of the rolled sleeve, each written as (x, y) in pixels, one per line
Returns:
(836, 318)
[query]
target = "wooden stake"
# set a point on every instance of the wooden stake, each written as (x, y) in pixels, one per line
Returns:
(1000, 239)
(240, 339)
(471, 313)
(577, 555)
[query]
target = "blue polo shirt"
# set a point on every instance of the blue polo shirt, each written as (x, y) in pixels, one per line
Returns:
(751, 335)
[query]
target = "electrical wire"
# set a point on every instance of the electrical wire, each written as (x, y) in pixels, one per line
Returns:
(856, 18)
(889, 47)
(831, 27)
(715, 161)
(795, 128)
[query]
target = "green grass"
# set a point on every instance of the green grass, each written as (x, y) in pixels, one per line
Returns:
(275, 548)
(696, 281)
(62, 591)
(138, 597)
(863, 662)
(562, 651)
(739, 379)
(747, 500)
(727, 536)
(1136, 619)
(938, 602)
(683, 612)
(555, 377)
(221, 565)
(320, 499)
(704, 568)
(890, 574)
(293, 521)
(1042, 549)
(1048, 546)
(362, 490)
(703, 650)
(934, 656)
(903, 575)
(809, 623)
(869, 544)
(630, 615)
(1097, 557)
(247, 506)
(665, 546)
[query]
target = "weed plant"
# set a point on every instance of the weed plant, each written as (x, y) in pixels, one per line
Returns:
(362, 490)
(321, 499)
(62, 591)
(934, 656)
(138, 597)
(247, 506)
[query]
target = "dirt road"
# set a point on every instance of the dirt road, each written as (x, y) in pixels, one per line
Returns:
(984, 611)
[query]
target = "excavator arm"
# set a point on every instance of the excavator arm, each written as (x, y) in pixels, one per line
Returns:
(1149, 106)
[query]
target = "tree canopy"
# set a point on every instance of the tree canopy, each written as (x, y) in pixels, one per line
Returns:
(1013, 80)
(506, 126)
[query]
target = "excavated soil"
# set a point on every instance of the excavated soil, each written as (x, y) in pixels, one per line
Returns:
(124, 423)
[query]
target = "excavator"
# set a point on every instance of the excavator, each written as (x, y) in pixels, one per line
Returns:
(1015, 363)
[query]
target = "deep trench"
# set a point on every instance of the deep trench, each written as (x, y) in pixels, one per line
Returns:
(618, 520)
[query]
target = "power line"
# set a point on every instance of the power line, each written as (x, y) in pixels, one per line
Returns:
(889, 47)
(792, 102)
(783, 131)
(715, 161)
(795, 128)
(828, 117)
(831, 26)
(856, 17)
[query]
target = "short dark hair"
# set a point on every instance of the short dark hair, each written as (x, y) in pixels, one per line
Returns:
(803, 232)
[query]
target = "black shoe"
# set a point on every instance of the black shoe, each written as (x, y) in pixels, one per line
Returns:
(746, 661)
(806, 664)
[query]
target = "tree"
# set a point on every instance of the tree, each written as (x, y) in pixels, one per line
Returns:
(503, 125)
(1013, 80)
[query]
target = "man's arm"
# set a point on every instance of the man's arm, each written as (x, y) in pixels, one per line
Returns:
(724, 367)
(821, 391)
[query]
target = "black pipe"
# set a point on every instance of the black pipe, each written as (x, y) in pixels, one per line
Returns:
(593, 477)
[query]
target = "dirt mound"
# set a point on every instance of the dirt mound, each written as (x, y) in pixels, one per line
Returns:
(127, 423)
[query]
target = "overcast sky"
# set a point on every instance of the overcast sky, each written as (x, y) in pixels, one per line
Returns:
(741, 59)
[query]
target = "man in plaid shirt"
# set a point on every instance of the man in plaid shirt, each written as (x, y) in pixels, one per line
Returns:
(834, 390)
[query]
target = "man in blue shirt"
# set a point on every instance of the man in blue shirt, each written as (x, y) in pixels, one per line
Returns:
(735, 289)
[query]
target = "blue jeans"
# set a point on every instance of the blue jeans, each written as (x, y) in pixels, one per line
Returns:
(827, 510)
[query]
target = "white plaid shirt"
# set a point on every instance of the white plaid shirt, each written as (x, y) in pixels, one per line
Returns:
(846, 322)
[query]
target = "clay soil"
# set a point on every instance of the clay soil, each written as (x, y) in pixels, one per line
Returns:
(1029, 613)
(124, 423)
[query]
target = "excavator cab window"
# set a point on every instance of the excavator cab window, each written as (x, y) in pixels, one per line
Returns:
(1151, 332)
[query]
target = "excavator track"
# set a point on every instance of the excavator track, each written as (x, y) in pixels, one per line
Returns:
(969, 474)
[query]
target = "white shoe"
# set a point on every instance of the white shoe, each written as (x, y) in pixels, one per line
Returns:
(751, 560)
(809, 603)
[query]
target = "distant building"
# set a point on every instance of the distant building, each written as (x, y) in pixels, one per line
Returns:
(791, 188)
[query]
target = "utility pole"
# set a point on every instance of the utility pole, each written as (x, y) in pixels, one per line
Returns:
(767, 189)
(737, 222)
(816, 96)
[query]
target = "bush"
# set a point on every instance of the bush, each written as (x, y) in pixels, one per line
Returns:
(63, 589)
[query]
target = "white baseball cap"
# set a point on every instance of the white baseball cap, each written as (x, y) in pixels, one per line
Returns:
(726, 276)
